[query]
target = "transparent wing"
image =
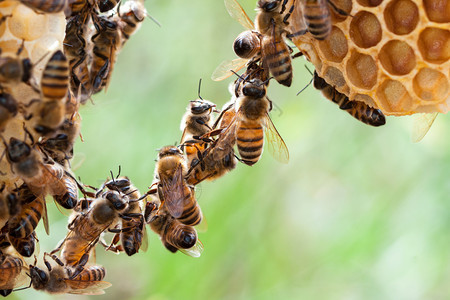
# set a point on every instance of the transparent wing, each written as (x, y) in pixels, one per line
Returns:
(421, 124)
(223, 71)
(275, 142)
(77, 160)
(44, 215)
(173, 193)
(203, 226)
(144, 244)
(97, 287)
(194, 251)
(237, 12)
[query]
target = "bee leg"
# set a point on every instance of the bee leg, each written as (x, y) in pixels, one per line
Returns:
(80, 266)
(286, 17)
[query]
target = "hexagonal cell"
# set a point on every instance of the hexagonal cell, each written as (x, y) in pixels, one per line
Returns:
(401, 16)
(362, 70)
(366, 99)
(341, 10)
(365, 30)
(397, 57)
(393, 96)
(334, 77)
(431, 85)
(335, 47)
(11, 47)
(370, 3)
(437, 10)
(434, 45)
(26, 24)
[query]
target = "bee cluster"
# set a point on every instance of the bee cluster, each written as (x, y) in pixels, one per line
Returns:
(45, 77)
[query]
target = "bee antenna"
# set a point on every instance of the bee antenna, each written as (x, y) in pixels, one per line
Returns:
(112, 175)
(199, 86)
(306, 67)
(265, 82)
(153, 19)
(120, 169)
(232, 71)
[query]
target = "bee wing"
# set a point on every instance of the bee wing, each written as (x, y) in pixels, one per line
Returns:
(275, 142)
(144, 244)
(237, 12)
(173, 193)
(44, 215)
(77, 160)
(97, 287)
(194, 251)
(223, 71)
(203, 226)
(421, 124)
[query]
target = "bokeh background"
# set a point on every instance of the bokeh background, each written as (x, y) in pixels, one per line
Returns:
(358, 213)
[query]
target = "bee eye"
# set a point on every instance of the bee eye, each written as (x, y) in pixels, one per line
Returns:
(270, 6)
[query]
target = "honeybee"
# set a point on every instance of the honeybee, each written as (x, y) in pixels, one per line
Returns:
(105, 5)
(131, 15)
(52, 6)
(106, 42)
(75, 50)
(15, 69)
(132, 234)
(174, 235)
(32, 209)
(85, 227)
(175, 194)
(24, 246)
(55, 77)
(263, 40)
(11, 273)
(317, 17)
(59, 279)
(357, 109)
(8, 109)
(60, 147)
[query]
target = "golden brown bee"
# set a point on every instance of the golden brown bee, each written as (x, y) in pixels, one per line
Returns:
(49, 6)
(275, 53)
(250, 123)
(11, 273)
(24, 246)
(357, 109)
(32, 209)
(131, 15)
(175, 194)
(132, 234)
(50, 115)
(15, 69)
(86, 226)
(55, 77)
(174, 235)
(106, 43)
(76, 7)
(59, 279)
(317, 17)
(8, 109)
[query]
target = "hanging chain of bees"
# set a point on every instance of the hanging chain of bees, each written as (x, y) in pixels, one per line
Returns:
(372, 58)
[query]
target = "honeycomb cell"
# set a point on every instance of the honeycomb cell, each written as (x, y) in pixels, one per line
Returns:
(26, 24)
(393, 95)
(437, 10)
(12, 46)
(370, 3)
(366, 99)
(397, 57)
(335, 47)
(362, 70)
(334, 77)
(365, 30)
(401, 16)
(431, 85)
(343, 5)
(434, 45)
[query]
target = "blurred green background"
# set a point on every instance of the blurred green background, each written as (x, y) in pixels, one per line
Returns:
(358, 213)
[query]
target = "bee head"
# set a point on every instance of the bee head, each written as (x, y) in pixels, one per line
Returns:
(18, 150)
(254, 88)
(116, 200)
(8, 102)
(269, 5)
(169, 151)
(199, 106)
(39, 278)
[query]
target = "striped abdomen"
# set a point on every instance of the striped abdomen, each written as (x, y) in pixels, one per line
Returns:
(24, 223)
(250, 141)
(69, 197)
(87, 277)
(24, 246)
(192, 214)
(179, 235)
(46, 6)
(10, 268)
(317, 18)
(277, 57)
(55, 78)
(132, 239)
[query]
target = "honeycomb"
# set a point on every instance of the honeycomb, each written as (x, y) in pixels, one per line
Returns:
(393, 55)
